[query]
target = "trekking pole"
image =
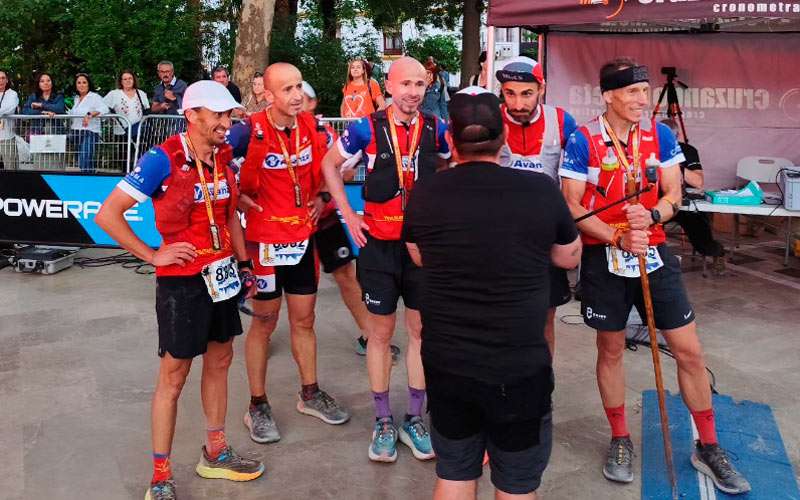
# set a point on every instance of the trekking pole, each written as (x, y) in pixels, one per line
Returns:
(651, 329)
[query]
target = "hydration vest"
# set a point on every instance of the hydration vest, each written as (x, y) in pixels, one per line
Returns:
(519, 150)
(604, 187)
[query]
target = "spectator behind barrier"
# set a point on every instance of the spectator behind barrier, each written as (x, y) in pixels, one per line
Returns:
(435, 100)
(167, 95)
(129, 101)
(9, 101)
(220, 75)
(480, 79)
(44, 101)
(362, 95)
(257, 101)
(85, 131)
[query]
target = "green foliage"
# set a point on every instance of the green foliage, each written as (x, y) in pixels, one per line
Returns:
(100, 37)
(443, 48)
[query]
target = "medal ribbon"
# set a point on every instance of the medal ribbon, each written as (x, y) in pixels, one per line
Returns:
(398, 156)
(289, 166)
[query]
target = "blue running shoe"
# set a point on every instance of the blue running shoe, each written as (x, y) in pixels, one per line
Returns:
(414, 435)
(384, 441)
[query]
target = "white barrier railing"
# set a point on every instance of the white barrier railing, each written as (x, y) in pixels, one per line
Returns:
(63, 143)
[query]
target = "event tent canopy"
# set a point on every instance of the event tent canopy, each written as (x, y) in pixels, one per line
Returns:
(647, 15)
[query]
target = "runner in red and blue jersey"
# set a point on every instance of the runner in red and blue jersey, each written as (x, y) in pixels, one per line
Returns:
(281, 174)
(600, 158)
(402, 145)
(537, 134)
(194, 196)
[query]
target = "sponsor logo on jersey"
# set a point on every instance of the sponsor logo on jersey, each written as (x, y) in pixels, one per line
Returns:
(277, 161)
(223, 194)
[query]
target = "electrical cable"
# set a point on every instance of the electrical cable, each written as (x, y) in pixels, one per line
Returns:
(124, 259)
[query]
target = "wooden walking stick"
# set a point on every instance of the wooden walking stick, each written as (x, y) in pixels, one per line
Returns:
(651, 329)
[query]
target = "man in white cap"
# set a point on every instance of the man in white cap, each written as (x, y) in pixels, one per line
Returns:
(201, 269)
(537, 134)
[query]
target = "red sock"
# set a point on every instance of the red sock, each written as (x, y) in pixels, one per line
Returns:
(215, 442)
(616, 418)
(704, 421)
(161, 468)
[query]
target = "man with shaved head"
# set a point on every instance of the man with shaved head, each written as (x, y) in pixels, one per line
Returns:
(402, 145)
(281, 174)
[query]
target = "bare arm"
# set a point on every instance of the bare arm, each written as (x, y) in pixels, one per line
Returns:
(416, 257)
(237, 237)
(380, 101)
(333, 179)
(694, 178)
(111, 218)
(567, 256)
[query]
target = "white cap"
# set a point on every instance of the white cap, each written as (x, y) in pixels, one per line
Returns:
(473, 90)
(210, 95)
(309, 90)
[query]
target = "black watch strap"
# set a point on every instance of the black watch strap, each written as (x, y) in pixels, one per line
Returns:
(326, 196)
(244, 263)
(655, 215)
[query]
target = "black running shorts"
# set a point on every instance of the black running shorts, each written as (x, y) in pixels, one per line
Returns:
(386, 273)
(188, 319)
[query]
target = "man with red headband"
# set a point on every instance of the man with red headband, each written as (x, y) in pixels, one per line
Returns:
(536, 135)
(599, 158)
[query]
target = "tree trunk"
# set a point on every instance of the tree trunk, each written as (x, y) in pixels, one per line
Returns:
(285, 16)
(327, 10)
(252, 42)
(470, 40)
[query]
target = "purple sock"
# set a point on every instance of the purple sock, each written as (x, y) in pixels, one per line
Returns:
(382, 408)
(416, 397)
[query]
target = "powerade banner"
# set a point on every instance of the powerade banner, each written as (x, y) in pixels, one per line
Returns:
(60, 209)
(743, 95)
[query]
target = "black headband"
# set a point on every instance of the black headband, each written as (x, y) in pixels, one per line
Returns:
(624, 77)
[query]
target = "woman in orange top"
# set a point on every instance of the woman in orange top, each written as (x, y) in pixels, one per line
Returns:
(362, 94)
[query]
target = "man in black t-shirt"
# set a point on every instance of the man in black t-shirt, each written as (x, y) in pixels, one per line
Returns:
(485, 237)
(696, 225)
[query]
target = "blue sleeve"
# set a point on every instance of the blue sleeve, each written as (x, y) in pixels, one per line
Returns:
(238, 137)
(576, 158)
(356, 138)
(146, 179)
(444, 148)
(569, 126)
(443, 104)
(669, 151)
(26, 108)
(56, 105)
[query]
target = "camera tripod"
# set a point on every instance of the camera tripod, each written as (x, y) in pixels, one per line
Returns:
(673, 107)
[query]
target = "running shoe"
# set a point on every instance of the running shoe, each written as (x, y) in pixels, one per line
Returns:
(619, 461)
(414, 435)
(712, 461)
(261, 424)
(162, 490)
(228, 465)
(383, 447)
(324, 408)
(361, 349)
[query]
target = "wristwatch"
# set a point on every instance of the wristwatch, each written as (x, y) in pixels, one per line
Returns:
(326, 196)
(655, 215)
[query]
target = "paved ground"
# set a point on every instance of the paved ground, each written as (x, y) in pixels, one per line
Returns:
(77, 365)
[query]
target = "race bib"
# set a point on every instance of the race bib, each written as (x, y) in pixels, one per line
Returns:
(626, 264)
(222, 279)
(281, 254)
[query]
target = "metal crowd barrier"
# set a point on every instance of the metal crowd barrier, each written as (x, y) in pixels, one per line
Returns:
(62, 144)
(153, 130)
(340, 125)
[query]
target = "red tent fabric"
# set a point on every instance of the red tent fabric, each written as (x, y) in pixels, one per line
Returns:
(593, 12)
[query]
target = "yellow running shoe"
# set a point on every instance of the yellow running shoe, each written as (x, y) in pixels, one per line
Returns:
(228, 465)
